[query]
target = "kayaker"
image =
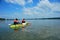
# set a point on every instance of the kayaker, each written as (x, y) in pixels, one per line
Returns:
(16, 21)
(23, 22)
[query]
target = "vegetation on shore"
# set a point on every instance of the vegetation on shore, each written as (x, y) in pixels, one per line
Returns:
(33, 18)
(42, 18)
(2, 18)
(37, 18)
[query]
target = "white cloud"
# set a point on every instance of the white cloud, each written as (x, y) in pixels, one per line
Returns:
(43, 9)
(56, 7)
(30, 1)
(19, 2)
(27, 11)
(53, 6)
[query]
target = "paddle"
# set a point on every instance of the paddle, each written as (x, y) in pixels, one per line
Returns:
(9, 24)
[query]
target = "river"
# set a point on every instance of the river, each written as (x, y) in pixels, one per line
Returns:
(38, 30)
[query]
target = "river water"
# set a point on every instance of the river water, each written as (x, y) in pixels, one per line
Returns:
(38, 30)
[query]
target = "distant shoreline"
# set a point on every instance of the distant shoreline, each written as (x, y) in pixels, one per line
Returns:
(2, 18)
(31, 19)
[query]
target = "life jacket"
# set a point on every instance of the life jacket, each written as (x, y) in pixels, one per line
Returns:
(23, 21)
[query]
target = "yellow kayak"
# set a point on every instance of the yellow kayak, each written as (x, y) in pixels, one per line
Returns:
(18, 26)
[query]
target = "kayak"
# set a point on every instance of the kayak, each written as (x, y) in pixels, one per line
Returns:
(18, 26)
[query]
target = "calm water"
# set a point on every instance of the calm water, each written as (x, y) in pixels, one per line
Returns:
(38, 30)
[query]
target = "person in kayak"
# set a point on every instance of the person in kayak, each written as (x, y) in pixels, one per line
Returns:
(23, 22)
(16, 21)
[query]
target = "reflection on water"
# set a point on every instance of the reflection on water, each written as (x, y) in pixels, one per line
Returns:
(2, 21)
(39, 30)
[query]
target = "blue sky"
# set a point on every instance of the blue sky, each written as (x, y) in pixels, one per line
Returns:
(29, 8)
